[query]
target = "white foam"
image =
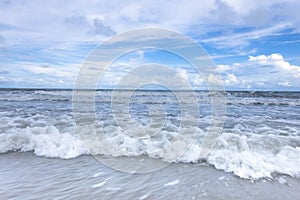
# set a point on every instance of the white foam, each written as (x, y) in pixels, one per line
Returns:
(144, 197)
(112, 188)
(282, 180)
(97, 174)
(101, 184)
(250, 157)
(175, 182)
(254, 165)
(43, 141)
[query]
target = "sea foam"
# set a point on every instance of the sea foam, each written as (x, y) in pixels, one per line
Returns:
(250, 157)
(260, 138)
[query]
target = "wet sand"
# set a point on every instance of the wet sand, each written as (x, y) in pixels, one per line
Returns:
(26, 176)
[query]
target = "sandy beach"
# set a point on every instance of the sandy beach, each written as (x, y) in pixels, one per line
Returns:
(26, 176)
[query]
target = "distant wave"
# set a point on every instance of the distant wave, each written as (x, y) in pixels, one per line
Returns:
(146, 97)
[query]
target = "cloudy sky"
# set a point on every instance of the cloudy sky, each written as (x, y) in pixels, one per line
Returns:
(254, 44)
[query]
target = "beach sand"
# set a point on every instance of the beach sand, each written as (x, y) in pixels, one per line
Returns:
(27, 176)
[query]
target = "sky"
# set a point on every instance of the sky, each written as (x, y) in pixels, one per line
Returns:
(254, 44)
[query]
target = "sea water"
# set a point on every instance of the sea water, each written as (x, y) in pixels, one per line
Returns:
(260, 136)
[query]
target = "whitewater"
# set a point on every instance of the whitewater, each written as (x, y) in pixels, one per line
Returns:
(260, 136)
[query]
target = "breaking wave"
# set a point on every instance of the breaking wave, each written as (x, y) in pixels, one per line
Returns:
(247, 156)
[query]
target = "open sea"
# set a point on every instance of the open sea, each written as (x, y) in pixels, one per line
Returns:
(43, 156)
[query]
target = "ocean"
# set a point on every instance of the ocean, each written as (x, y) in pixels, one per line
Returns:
(45, 155)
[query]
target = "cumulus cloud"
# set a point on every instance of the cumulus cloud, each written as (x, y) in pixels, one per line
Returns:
(108, 17)
(182, 74)
(276, 60)
(286, 84)
(198, 80)
(92, 25)
(214, 79)
(223, 68)
(62, 30)
(261, 72)
(231, 79)
(100, 28)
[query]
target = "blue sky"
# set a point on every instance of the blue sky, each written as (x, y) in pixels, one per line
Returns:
(254, 44)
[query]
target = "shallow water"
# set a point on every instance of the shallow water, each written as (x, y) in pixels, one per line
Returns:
(260, 138)
(26, 176)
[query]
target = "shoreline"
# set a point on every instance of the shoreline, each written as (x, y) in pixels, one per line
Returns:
(25, 175)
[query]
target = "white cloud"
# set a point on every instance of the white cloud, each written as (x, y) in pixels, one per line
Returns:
(198, 80)
(2, 78)
(223, 68)
(242, 39)
(26, 74)
(73, 20)
(50, 71)
(57, 28)
(246, 84)
(286, 84)
(214, 79)
(276, 60)
(182, 74)
(231, 79)
(261, 72)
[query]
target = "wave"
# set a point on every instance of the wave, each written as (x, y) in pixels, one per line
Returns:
(43, 141)
(153, 97)
(247, 156)
(263, 101)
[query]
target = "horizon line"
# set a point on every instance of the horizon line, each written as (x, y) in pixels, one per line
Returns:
(150, 89)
